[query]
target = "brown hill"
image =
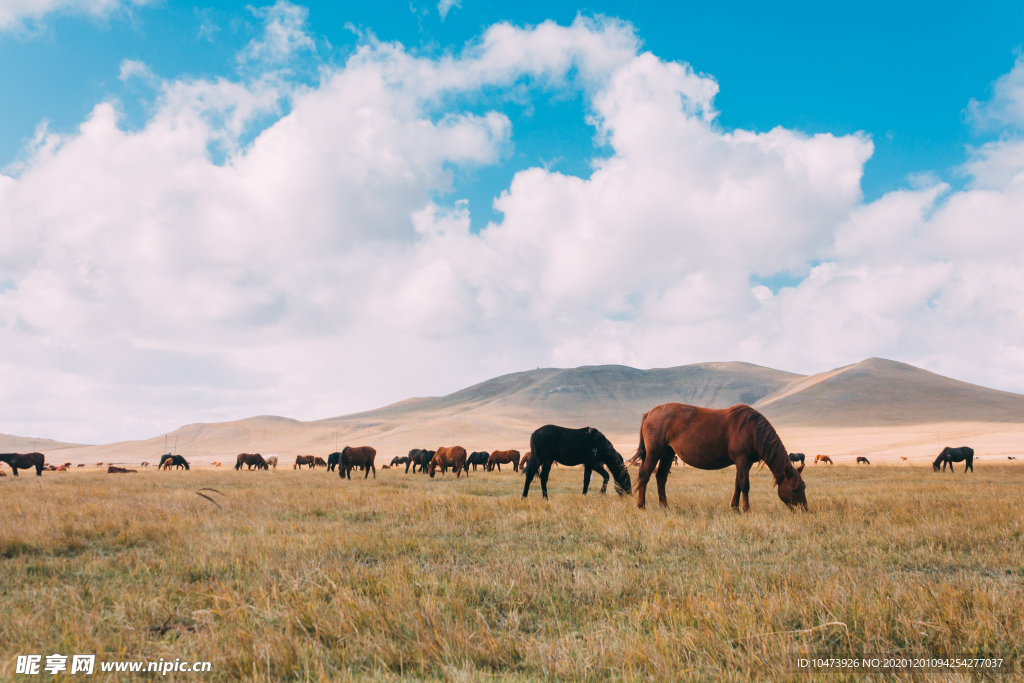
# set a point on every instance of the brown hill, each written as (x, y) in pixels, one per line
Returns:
(503, 412)
(878, 392)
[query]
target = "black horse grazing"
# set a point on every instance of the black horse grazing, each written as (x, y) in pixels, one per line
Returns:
(24, 461)
(796, 457)
(862, 459)
(332, 461)
(176, 460)
(587, 447)
(419, 457)
(477, 458)
(952, 455)
(399, 460)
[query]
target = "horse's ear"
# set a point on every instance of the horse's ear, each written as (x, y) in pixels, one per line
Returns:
(801, 468)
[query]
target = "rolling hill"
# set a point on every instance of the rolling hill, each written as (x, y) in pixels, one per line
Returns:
(874, 395)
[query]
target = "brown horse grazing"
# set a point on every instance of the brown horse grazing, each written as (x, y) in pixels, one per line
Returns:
(24, 461)
(360, 456)
(449, 456)
(713, 440)
(822, 458)
(301, 460)
(903, 458)
(319, 462)
(144, 464)
(862, 459)
(250, 460)
(499, 458)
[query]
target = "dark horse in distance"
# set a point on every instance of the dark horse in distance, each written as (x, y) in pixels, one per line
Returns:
(477, 458)
(948, 456)
(571, 447)
(24, 461)
(176, 460)
(419, 457)
(713, 440)
(250, 460)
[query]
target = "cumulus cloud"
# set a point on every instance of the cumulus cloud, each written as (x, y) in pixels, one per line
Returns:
(15, 13)
(186, 272)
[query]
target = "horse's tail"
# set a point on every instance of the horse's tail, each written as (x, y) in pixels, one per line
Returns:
(534, 464)
(641, 450)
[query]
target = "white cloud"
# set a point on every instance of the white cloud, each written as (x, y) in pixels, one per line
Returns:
(446, 6)
(284, 34)
(14, 13)
(181, 272)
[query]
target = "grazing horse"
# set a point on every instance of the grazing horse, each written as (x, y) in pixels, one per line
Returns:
(400, 460)
(271, 461)
(862, 459)
(903, 458)
(301, 460)
(499, 458)
(319, 462)
(822, 458)
(419, 457)
(952, 455)
(215, 464)
(449, 456)
(332, 461)
(250, 460)
(360, 456)
(119, 470)
(586, 446)
(797, 457)
(145, 464)
(477, 458)
(713, 440)
(167, 461)
(24, 461)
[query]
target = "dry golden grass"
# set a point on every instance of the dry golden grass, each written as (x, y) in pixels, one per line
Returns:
(302, 576)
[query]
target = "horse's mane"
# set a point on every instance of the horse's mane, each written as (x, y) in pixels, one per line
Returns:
(767, 443)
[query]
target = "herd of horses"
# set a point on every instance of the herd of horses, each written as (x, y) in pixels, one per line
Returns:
(704, 438)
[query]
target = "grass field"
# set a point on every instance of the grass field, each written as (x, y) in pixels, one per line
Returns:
(301, 576)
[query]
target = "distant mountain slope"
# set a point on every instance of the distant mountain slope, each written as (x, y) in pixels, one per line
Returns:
(614, 395)
(24, 444)
(504, 411)
(884, 392)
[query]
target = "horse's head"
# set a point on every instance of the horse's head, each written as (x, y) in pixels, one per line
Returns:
(606, 453)
(792, 488)
(433, 468)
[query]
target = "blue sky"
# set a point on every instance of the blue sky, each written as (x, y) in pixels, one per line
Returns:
(212, 212)
(901, 72)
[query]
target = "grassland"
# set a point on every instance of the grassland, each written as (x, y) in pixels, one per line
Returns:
(300, 576)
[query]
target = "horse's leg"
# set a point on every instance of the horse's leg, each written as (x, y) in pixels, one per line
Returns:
(544, 472)
(742, 484)
(662, 477)
(644, 475)
(599, 468)
(586, 479)
(526, 484)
